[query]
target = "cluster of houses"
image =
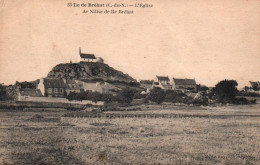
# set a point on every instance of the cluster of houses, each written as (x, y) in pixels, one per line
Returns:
(61, 88)
(165, 83)
(46, 87)
(254, 88)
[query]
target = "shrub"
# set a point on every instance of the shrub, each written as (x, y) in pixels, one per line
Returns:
(249, 94)
(3, 93)
(126, 95)
(240, 100)
(225, 90)
(201, 101)
(176, 97)
(132, 83)
(108, 98)
(157, 95)
(138, 95)
(202, 88)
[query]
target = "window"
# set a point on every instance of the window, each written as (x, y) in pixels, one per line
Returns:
(61, 90)
(55, 90)
(49, 90)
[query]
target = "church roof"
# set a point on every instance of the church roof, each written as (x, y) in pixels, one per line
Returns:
(89, 56)
(184, 81)
(146, 82)
(163, 78)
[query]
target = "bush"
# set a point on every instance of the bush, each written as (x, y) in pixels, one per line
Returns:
(108, 98)
(226, 89)
(126, 95)
(240, 100)
(3, 93)
(132, 83)
(176, 97)
(249, 94)
(157, 95)
(202, 101)
(202, 88)
(138, 95)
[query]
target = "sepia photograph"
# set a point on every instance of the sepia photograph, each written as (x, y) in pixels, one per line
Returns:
(129, 82)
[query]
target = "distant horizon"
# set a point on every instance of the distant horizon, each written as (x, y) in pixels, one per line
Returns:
(138, 80)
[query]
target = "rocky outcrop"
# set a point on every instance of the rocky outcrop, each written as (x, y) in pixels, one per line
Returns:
(88, 70)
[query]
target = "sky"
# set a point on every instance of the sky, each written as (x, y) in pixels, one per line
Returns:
(203, 39)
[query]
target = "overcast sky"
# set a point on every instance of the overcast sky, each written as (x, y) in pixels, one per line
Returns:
(206, 40)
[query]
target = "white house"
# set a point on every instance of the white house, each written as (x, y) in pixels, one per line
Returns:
(162, 82)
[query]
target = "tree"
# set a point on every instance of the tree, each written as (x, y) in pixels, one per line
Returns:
(94, 96)
(157, 95)
(226, 89)
(202, 87)
(126, 95)
(108, 98)
(3, 93)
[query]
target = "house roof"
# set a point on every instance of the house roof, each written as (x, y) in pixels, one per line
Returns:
(257, 83)
(184, 81)
(31, 92)
(72, 84)
(89, 56)
(54, 83)
(163, 78)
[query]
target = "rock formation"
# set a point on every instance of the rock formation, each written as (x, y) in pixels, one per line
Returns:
(88, 70)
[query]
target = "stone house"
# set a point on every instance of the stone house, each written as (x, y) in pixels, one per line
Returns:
(184, 84)
(101, 87)
(146, 84)
(52, 87)
(72, 86)
(255, 85)
(27, 93)
(162, 82)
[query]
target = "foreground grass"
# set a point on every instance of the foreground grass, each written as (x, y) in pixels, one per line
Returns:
(65, 140)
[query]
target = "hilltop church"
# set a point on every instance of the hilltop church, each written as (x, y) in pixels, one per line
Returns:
(90, 57)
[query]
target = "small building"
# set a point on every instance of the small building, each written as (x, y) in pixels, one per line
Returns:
(28, 92)
(89, 57)
(52, 87)
(25, 93)
(162, 82)
(184, 84)
(101, 87)
(72, 86)
(255, 85)
(146, 84)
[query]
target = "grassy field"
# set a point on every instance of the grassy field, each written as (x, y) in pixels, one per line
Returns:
(43, 136)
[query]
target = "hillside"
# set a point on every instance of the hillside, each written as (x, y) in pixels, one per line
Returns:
(88, 70)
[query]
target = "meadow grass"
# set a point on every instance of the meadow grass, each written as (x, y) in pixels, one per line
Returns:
(54, 139)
